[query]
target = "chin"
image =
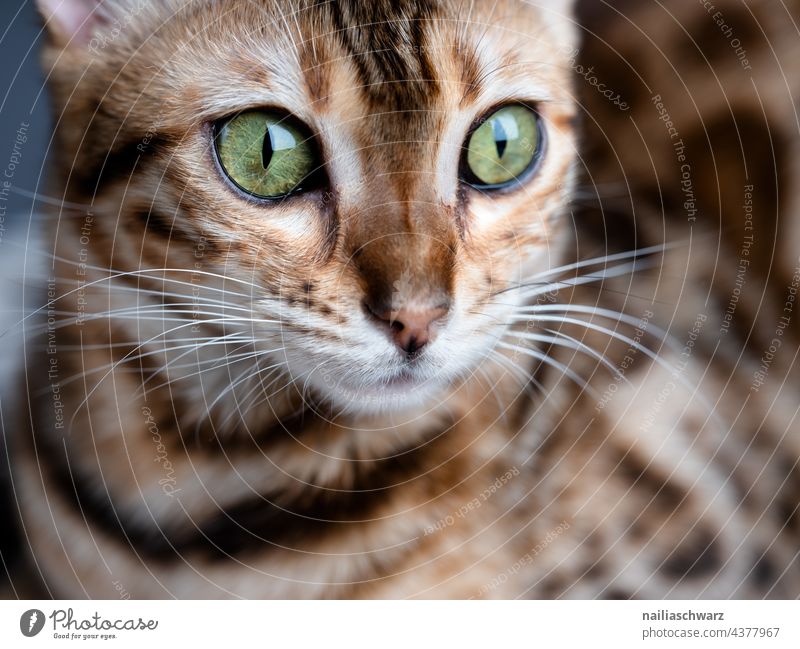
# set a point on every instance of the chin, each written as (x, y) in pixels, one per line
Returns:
(408, 393)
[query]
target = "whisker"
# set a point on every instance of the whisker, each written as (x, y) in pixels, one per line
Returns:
(655, 357)
(49, 200)
(244, 376)
(276, 369)
(124, 359)
(160, 292)
(220, 340)
(129, 343)
(640, 252)
(526, 377)
(142, 273)
(653, 330)
(136, 357)
(568, 342)
(228, 363)
(547, 360)
(138, 317)
(614, 271)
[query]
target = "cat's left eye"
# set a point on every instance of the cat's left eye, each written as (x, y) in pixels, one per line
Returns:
(266, 154)
(503, 148)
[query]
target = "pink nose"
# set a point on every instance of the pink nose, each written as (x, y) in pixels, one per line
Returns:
(412, 328)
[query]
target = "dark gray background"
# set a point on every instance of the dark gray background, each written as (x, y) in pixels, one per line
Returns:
(22, 99)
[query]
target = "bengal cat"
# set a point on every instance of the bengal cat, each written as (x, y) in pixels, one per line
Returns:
(416, 299)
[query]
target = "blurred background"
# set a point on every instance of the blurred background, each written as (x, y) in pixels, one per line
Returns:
(24, 123)
(25, 132)
(24, 101)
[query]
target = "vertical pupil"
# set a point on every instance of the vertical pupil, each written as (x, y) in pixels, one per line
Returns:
(500, 137)
(268, 149)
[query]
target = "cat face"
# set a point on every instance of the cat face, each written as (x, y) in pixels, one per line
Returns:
(372, 178)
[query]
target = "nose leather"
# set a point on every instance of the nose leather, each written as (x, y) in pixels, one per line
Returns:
(411, 327)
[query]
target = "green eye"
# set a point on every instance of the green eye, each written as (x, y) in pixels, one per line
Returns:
(503, 148)
(266, 154)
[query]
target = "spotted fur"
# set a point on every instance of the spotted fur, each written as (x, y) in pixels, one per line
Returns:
(530, 454)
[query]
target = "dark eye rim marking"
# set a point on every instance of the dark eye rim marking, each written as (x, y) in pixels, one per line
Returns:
(315, 181)
(467, 178)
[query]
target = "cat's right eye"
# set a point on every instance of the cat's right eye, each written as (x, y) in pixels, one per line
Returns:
(266, 154)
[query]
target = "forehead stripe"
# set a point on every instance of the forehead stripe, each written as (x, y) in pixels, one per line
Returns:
(395, 76)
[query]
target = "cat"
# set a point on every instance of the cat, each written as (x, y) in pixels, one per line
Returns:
(325, 320)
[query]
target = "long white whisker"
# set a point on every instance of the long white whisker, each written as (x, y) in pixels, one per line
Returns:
(524, 376)
(124, 359)
(129, 343)
(159, 293)
(139, 273)
(568, 342)
(653, 330)
(614, 271)
(136, 357)
(678, 375)
(126, 314)
(544, 358)
(231, 361)
(276, 369)
(641, 252)
(244, 376)
(50, 200)
(220, 340)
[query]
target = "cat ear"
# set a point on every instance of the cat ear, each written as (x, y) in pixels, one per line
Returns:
(72, 23)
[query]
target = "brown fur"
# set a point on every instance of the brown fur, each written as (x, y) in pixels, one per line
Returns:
(299, 495)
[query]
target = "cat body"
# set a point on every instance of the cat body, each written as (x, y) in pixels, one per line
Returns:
(384, 385)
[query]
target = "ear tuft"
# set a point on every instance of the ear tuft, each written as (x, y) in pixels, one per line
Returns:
(72, 22)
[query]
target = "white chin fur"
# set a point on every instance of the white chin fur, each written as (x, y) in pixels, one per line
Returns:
(377, 399)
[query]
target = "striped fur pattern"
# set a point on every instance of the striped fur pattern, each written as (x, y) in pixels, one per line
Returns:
(214, 414)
